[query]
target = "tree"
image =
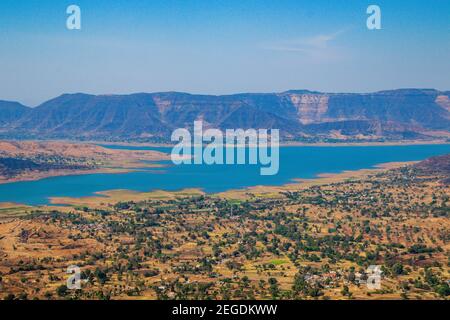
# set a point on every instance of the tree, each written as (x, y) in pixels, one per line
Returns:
(274, 290)
(62, 290)
(397, 269)
(345, 291)
(443, 290)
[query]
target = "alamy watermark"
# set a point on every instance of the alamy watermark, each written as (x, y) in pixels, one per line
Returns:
(73, 21)
(374, 20)
(227, 148)
(74, 280)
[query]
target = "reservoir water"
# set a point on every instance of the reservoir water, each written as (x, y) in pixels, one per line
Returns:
(295, 162)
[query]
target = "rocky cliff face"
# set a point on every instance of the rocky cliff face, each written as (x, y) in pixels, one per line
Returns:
(299, 114)
(311, 108)
(443, 101)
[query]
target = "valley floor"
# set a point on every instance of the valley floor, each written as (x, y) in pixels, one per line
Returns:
(310, 240)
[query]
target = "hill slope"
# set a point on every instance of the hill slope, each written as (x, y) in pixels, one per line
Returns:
(439, 166)
(11, 111)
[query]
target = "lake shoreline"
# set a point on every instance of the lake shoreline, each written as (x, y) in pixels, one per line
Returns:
(292, 144)
(108, 197)
(320, 179)
(320, 166)
(90, 159)
(39, 175)
(282, 144)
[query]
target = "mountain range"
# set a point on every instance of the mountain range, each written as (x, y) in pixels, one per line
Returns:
(301, 115)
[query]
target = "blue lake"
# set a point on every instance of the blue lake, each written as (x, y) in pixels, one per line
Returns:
(295, 162)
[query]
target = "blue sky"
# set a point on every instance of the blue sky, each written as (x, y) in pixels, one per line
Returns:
(220, 47)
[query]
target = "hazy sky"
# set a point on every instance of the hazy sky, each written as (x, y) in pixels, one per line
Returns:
(220, 47)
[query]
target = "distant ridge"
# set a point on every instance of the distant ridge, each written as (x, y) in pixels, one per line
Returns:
(11, 111)
(301, 115)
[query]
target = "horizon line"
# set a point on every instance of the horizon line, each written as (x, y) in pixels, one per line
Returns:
(290, 91)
